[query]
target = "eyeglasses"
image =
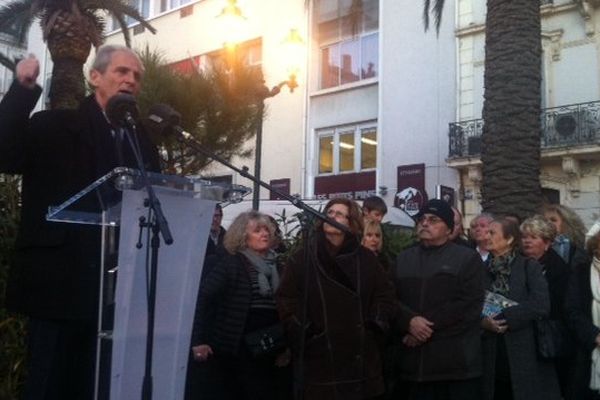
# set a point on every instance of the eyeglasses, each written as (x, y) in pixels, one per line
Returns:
(336, 214)
(431, 220)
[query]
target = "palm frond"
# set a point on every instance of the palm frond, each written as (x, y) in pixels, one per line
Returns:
(117, 8)
(8, 63)
(436, 9)
(16, 18)
(120, 18)
(426, 5)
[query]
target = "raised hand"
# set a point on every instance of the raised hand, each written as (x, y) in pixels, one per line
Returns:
(27, 71)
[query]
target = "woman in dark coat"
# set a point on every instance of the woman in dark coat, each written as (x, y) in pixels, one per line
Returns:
(372, 239)
(511, 369)
(536, 243)
(348, 302)
(236, 299)
(580, 317)
(570, 234)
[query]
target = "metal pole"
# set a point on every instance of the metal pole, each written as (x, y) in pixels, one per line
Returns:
(257, 155)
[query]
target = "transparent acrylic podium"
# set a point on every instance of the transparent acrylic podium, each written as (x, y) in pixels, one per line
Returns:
(116, 202)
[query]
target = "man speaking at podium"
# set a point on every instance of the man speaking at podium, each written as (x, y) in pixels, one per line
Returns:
(54, 277)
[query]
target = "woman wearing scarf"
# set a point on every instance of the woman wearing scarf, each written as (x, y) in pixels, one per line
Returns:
(570, 234)
(348, 301)
(511, 369)
(583, 316)
(235, 303)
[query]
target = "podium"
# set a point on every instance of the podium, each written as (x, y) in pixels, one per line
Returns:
(116, 202)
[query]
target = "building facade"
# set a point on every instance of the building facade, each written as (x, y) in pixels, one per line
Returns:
(375, 97)
(570, 137)
(376, 91)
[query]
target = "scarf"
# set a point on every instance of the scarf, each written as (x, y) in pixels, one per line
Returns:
(500, 270)
(562, 245)
(266, 268)
(595, 284)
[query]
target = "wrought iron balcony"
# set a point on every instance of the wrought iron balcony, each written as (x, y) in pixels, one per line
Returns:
(565, 126)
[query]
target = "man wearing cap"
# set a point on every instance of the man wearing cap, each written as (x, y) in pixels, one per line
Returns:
(440, 292)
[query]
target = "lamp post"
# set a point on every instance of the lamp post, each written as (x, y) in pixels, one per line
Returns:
(233, 17)
(264, 93)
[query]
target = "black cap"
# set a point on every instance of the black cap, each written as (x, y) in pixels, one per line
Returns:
(439, 208)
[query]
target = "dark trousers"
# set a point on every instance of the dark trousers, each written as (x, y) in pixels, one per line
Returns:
(60, 363)
(238, 378)
(469, 389)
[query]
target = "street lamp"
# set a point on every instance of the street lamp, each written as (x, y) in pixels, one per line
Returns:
(291, 52)
(231, 20)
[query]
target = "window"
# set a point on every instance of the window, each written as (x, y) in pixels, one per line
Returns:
(171, 4)
(348, 40)
(350, 148)
(249, 53)
(143, 7)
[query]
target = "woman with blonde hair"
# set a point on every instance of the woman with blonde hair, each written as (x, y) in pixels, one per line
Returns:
(235, 303)
(537, 236)
(372, 239)
(569, 241)
(372, 236)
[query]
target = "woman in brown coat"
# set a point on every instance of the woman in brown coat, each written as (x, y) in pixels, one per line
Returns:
(348, 303)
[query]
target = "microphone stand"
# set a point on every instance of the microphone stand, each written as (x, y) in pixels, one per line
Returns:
(157, 224)
(309, 214)
(197, 146)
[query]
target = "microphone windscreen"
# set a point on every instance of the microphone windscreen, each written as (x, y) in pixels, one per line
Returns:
(162, 118)
(119, 106)
(166, 112)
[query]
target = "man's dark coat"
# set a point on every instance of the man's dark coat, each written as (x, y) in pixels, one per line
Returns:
(55, 272)
(445, 285)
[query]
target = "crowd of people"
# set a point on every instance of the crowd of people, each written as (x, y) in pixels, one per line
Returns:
(510, 312)
(340, 319)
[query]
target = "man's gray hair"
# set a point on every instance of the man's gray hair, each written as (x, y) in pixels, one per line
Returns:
(485, 215)
(104, 56)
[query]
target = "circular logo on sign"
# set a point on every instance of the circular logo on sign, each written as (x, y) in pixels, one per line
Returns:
(410, 200)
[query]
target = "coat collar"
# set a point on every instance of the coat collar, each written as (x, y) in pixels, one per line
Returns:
(342, 267)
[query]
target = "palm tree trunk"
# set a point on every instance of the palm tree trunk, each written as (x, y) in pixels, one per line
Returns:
(512, 109)
(67, 88)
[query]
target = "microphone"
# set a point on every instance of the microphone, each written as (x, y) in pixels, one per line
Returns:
(165, 120)
(122, 110)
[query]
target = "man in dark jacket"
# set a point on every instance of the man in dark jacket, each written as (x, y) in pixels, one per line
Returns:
(440, 290)
(54, 278)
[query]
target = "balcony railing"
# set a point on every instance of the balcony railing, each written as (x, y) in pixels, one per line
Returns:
(565, 126)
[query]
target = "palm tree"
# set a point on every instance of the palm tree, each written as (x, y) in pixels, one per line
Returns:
(512, 108)
(510, 151)
(70, 28)
(220, 112)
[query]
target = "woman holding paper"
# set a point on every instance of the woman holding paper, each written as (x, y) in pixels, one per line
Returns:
(511, 369)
